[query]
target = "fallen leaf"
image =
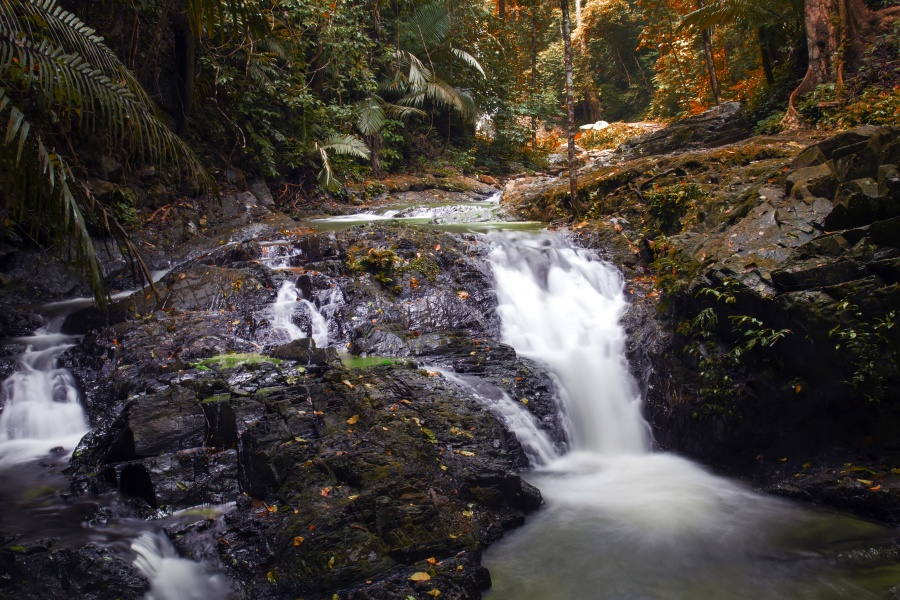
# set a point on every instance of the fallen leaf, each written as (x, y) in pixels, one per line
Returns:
(431, 561)
(420, 576)
(865, 481)
(298, 540)
(331, 562)
(468, 513)
(437, 247)
(325, 491)
(347, 383)
(875, 489)
(435, 592)
(272, 577)
(352, 420)
(782, 459)
(467, 453)
(463, 295)
(524, 400)
(272, 508)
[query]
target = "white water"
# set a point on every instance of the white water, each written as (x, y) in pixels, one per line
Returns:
(561, 308)
(41, 407)
(290, 298)
(537, 446)
(172, 577)
(42, 413)
(621, 522)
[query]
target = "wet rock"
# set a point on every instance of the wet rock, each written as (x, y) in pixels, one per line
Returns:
(304, 351)
(110, 169)
(56, 571)
(261, 192)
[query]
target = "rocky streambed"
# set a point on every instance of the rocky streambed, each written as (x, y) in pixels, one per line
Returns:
(319, 475)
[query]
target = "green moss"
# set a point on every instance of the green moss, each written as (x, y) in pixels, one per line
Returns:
(232, 361)
(352, 361)
(216, 398)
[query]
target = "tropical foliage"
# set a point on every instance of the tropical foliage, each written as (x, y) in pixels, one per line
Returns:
(57, 77)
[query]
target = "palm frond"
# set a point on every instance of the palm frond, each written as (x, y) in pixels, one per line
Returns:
(370, 116)
(469, 59)
(209, 15)
(747, 13)
(404, 112)
(71, 86)
(428, 26)
(346, 144)
(339, 144)
(37, 182)
(45, 19)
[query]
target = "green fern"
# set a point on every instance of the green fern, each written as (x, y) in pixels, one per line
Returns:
(57, 76)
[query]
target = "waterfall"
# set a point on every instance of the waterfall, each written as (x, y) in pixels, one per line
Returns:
(620, 521)
(289, 298)
(172, 577)
(561, 308)
(41, 407)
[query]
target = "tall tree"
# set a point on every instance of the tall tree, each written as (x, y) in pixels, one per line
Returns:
(710, 60)
(837, 34)
(570, 107)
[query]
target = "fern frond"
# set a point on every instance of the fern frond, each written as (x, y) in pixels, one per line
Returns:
(70, 85)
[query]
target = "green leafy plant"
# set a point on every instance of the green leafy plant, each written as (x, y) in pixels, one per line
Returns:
(871, 347)
(57, 76)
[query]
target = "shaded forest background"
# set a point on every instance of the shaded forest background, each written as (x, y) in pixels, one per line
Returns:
(314, 94)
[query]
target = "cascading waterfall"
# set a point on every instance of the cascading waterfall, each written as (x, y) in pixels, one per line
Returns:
(41, 407)
(172, 577)
(562, 309)
(621, 522)
(42, 415)
(289, 298)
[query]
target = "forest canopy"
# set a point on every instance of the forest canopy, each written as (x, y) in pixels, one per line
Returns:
(314, 94)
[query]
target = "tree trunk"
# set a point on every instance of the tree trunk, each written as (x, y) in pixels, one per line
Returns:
(710, 61)
(184, 55)
(766, 55)
(837, 35)
(577, 13)
(375, 142)
(501, 9)
(711, 67)
(570, 107)
(533, 71)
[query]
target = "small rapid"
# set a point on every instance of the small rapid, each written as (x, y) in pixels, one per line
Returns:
(620, 521)
(42, 410)
(172, 577)
(42, 418)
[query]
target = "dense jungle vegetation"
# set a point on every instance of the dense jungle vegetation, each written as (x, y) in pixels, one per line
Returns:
(312, 95)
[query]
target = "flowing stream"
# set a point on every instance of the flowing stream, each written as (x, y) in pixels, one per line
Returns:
(42, 418)
(620, 521)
